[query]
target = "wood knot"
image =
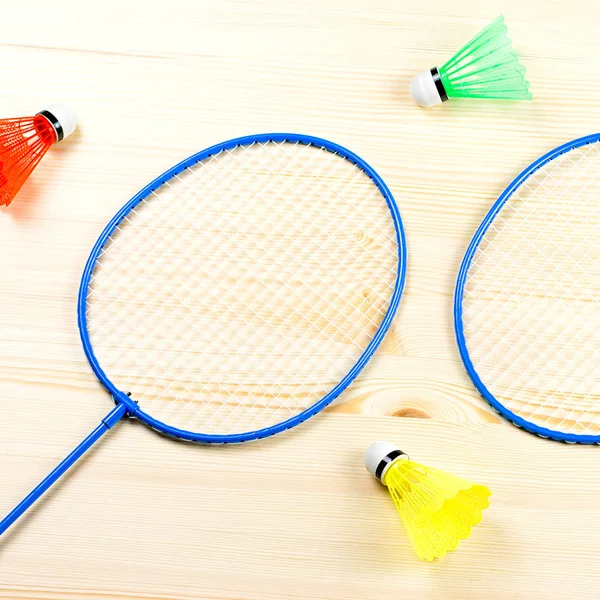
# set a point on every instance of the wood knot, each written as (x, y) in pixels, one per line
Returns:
(411, 413)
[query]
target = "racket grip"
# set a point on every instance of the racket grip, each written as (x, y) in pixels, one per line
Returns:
(111, 419)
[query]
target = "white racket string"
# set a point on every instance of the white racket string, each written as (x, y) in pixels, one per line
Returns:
(244, 289)
(531, 315)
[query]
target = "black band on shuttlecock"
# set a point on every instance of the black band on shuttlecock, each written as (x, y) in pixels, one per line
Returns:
(60, 134)
(386, 460)
(439, 86)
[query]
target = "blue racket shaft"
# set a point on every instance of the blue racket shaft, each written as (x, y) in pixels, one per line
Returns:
(111, 419)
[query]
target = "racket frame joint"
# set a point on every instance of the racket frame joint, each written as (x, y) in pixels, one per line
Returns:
(123, 399)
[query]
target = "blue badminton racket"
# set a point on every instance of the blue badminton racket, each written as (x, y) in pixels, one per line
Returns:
(527, 301)
(240, 292)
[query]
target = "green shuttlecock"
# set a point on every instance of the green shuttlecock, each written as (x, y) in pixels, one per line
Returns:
(487, 67)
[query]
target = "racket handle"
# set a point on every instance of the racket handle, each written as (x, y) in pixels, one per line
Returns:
(111, 419)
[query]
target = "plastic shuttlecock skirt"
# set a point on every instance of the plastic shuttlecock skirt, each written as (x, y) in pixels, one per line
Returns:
(438, 509)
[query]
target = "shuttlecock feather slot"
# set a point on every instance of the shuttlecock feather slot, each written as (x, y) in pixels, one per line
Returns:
(438, 509)
(24, 141)
(486, 67)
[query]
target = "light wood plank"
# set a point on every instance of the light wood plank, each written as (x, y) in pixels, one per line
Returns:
(296, 516)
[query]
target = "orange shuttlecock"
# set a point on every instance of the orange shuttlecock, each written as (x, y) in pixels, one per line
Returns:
(24, 141)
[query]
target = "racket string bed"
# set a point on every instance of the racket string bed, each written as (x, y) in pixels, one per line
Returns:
(301, 237)
(239, 293)
(530, 312)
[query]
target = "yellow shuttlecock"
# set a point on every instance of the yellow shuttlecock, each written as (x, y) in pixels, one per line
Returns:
(438, 509)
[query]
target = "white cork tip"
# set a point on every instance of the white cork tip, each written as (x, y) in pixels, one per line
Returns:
(66, 116)
(375, 453)
(423, 90)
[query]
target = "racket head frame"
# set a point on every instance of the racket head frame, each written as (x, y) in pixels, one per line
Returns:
(459, 296)
(119, 396)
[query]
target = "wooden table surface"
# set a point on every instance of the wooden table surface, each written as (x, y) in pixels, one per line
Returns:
(295, 516)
